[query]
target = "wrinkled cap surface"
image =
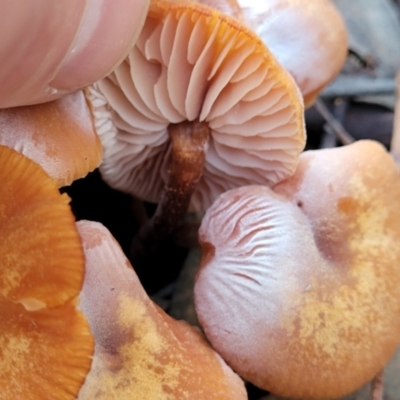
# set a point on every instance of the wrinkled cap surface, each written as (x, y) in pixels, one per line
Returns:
(59, 136)
(308, 38)
(142, 353)
(193, 63)
(298, 289)
(45, 342)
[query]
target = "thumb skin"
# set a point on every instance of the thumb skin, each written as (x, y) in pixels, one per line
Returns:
(50, 48)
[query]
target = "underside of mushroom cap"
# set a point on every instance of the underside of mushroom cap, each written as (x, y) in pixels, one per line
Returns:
(298, 289)
(193, 63)
(59, 136)
(142, 353)
(308, 38)
(45, 342)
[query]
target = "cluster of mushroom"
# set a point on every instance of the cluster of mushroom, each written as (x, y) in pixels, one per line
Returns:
(194, 65)
(297, 268)
(290, 275)
(48, 336)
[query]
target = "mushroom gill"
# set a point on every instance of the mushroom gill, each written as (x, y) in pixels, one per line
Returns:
(298, 286)
(312, 48)
(192, 63)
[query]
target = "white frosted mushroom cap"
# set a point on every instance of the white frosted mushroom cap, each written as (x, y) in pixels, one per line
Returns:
(193, 63)
(142, 353)
(299, 287)
(308, 37)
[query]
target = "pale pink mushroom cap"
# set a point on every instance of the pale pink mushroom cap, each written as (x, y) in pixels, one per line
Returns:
(59, 136)
(308, 37)
(191, 62)
(140, 352)
(299, 287)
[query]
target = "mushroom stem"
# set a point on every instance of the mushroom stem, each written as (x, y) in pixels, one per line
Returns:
(189, 142)
(187, 153)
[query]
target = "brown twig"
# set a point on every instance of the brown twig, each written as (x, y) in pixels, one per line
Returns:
(333, 123)
(329, 138)
(377, 387)
(395, 143)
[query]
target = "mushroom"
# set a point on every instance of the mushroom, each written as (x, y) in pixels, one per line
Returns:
(199, 106)
(140, 351)
(191, 67)
(45, 342)
(308, 37)
(299, 286)
(58, 135)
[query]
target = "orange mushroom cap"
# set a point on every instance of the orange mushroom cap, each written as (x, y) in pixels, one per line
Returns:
(141, 352)
(45, 342)
(58, 135)
(194, 63)
(299, 287)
